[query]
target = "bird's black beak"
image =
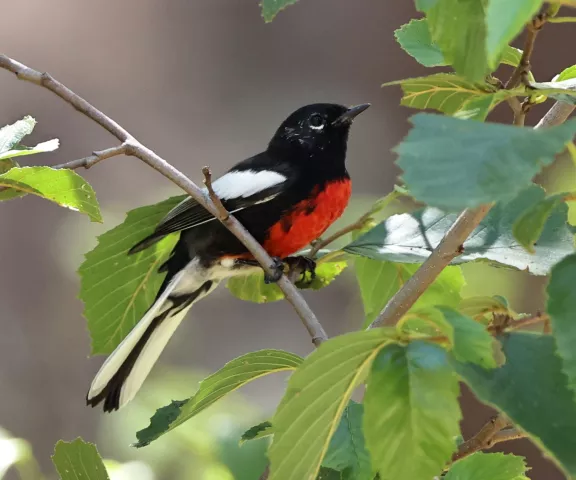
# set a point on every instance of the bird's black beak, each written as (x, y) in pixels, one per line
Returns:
(349, 115)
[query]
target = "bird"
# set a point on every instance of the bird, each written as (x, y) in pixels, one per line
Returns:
(286, 197)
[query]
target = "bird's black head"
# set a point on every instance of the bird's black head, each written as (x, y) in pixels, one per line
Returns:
(317, 130)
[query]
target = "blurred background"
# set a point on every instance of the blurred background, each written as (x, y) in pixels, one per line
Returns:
(201, 83)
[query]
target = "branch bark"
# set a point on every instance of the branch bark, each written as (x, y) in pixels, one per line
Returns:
(483, 439)
(131, 146)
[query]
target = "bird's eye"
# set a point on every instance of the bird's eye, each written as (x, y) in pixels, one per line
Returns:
(316, 121)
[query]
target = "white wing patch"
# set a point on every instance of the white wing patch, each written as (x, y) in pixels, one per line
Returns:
(246, 183)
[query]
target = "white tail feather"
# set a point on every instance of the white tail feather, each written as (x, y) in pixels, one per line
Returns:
(120, 354)
(149, 355)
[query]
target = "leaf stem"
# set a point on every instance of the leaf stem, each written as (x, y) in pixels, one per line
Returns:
(133, 147)
(562, 20)
(358, 224)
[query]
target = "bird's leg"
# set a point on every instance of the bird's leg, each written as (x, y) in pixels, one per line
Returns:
(305, 264)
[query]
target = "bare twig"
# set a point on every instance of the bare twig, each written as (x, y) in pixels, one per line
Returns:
(521, 72)
(135, 148)
(483, 439)
(526, 321)
(505, 436)
(358, 224)
(223, 214)
(87, 162)
(557, 115)
(93, 159)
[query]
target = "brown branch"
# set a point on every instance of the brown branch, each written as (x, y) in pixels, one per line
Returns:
(521, 72)
(223, 214)
(506, 435)
(526, 321)
(135, 148)
(483, 439)
(93, 159)
(358, 224)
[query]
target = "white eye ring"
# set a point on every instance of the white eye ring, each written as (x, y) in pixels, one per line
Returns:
(320, 126)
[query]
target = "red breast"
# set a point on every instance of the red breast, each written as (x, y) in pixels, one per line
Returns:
(308, 219)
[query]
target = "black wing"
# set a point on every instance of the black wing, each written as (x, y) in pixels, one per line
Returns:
(188, 213)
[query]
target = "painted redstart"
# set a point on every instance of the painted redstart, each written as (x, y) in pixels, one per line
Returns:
(286, 197)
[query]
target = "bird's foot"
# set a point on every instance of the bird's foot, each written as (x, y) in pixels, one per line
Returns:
(303, 264)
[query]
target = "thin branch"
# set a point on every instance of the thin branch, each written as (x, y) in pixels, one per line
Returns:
(562, 20)
(135, 148)
(557, 115)
(223, 214)
(520, 74)
(358, 224)
(483, 439)
(526, 321)
(506, 435)
(93, 159)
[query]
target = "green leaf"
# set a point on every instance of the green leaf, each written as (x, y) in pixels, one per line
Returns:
(20, 151)
(12, 135)
(450, 94)
(472, 342)
(481, 466)
(531, 389)
(64, 187)
(271, 8)
(315, 398)
(379, 281)
(78, 460)
(416, 40)
(511, 56)
(564, 91)
(504, 21)
(410, 237)
(566, 74)
(458, 28)
(261, 430)
(116, 288)
(479, 307)
(9, 193)
(230, 377)
(253, 289)
(454, 164)
(347, 450)
(411, 411)
(530, 225)
(561, 308)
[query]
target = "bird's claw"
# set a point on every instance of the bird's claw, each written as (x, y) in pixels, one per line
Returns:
(305, 264)
(278, 269)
